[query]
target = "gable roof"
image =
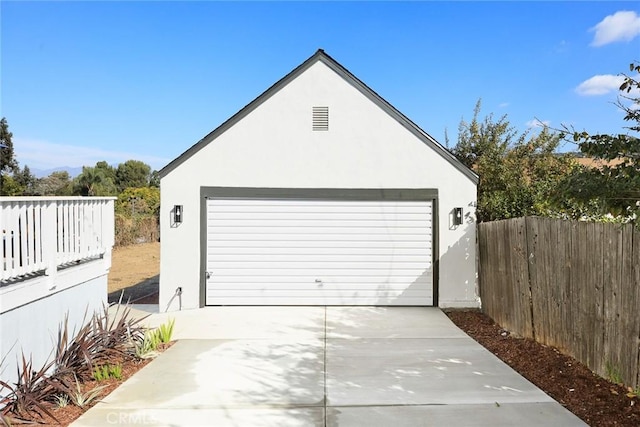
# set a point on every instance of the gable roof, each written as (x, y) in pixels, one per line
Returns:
(323, 57)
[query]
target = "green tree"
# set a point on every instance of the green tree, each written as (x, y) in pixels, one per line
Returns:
(154, 179)
(615, 187)
(93, 182)
(56, 184)
(107, 170)
(539, 170)
(132, 173)
(141, 201)
(483, 140)
(8, 163)
(25, 179)
(11, 187)
(518, 172)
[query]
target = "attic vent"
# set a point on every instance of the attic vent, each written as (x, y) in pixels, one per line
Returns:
(320, 118)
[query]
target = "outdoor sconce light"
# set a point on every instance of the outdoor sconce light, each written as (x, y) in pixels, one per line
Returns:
(457, 216)
(177, 214)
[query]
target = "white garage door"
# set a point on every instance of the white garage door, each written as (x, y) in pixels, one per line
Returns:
(318, 252)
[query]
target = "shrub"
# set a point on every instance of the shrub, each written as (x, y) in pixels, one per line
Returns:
(133, 230)
(104, 372)
(77, 395)
(100, 340)
(165, 331)
(24, 400)
(148, 348)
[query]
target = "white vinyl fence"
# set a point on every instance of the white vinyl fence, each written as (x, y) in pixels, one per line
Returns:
(41, 234)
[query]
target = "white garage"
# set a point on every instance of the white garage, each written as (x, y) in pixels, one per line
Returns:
(318, 192)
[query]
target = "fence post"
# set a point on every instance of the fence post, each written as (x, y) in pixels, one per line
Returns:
(530, 237)
(108, 230)
(49, 242)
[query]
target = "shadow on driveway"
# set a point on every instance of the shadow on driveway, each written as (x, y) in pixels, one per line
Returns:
(145, 292)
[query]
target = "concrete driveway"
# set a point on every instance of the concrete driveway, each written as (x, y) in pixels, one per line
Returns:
(317, 366)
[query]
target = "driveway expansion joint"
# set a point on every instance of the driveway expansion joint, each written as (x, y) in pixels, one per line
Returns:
(325, 367)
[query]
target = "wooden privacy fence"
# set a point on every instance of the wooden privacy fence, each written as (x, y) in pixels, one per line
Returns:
(571, 285)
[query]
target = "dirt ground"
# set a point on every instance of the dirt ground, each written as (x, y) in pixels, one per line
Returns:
(135, 269)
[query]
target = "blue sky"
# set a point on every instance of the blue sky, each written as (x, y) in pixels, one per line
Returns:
(88, 81)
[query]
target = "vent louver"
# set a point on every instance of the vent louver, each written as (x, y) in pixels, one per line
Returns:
(320, 118)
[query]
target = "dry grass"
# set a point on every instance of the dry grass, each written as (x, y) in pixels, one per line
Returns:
(131, 231)
(133, 264)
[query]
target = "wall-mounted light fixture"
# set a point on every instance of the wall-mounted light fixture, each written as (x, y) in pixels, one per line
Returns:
(457, 216)
(177, 214)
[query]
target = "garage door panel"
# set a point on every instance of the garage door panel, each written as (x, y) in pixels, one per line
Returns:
(282, 273)
(352, 277)
(237, 252)
(398, 300)
(284, 232)
(318, 266)
(324, 258)
(297, 205)
(301, 286)
(278, 217)
(321, 293)
(318, 252)
(225, 236)
(286, 225)
(216, 246)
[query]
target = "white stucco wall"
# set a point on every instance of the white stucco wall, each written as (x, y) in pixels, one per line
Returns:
(32, 327)
(274, 147)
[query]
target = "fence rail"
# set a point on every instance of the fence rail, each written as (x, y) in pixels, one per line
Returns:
(572, 285)
(42, 234)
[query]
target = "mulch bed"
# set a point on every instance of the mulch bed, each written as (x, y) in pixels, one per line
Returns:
(66, 415)
(70, 413)
(595, 400)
